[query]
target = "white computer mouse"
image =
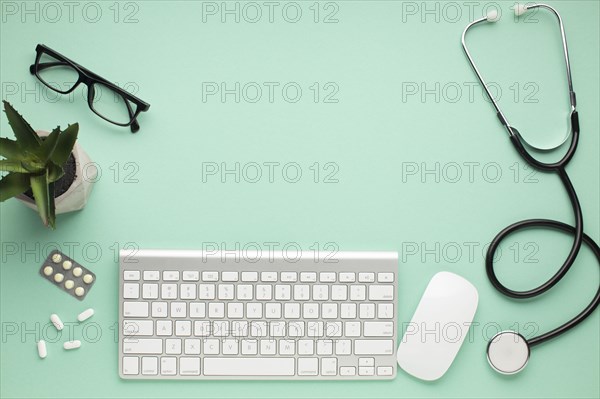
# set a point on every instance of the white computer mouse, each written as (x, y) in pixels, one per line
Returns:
(439, 326)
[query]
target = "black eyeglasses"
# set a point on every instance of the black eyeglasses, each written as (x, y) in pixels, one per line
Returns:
(106, 99)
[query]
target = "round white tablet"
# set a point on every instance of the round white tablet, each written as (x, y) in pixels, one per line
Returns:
(56, 258)
(88, 278)
(59, 277)
(48, 270)
(77, 271)
(67, 264)
(79, 291)
(508, 352)
(69, 284)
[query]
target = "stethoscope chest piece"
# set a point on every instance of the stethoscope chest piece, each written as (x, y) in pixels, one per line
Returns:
(508, 352)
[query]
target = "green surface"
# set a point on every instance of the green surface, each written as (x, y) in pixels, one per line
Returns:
(152, 194)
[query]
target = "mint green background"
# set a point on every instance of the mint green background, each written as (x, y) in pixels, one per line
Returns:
(370, 53)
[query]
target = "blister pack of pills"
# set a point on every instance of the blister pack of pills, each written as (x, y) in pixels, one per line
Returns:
(67, 274)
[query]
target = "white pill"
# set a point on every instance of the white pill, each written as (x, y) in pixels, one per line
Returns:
(58, 277)
(79, 291)
(72, 344)
(56, 258)
(86, 314)
(69, 284)
(41, 345)
(77, 272)
(48, 270)
(88, 278)
(56, 321)
(67, 264)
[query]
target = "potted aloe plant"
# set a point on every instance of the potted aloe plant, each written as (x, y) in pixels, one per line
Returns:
(45, 169)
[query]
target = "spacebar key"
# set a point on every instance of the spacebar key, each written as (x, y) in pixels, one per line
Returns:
(273, 366)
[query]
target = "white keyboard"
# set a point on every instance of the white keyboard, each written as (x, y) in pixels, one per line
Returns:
(225, 315)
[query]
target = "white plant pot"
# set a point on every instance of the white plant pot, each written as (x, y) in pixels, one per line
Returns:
(78, 193)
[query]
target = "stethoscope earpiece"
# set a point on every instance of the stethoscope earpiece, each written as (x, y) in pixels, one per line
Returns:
(508, 352)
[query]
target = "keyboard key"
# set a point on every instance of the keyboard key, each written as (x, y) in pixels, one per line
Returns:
(131, 291)
(173, 346)
(259, 329)
(244, 292)
(385, 310)
(268, 276)
(164, 328)
(277, 328)
(315, 329)
(352, 328)
(287, 347)
(191, 276)
(151, 275)
(178, 309)
(343, 347)
(333, 329)
(130, 365)
(138, 328)
(264, 292)
(240, 328)
(230, 346)
(306, 347)
(291, 310)
(216, 310)
(296, 328)
(381, 292)
(226, 291)
(197, 310)
(150, 291)
(254, 310)
(289, 277)
(170, 275)
(367, 310)
(192, 346)
(189, 365)
(249, 347)
(308, 366)
(358, 292)
(320, 292)
(235, 310)
(308, 277)
(250, 276)
(280, 366)
(339, 292)
(168, 365)
(202, 328)
(327, 277)
(273, 310)
(220, 328)
(211, 346)
(187, 291)
(229, 276)
(347, 371)
(135, 309)
(268, 347)
(301, 292)
(129, 275)
(310, 310)
(366, 371)
(210, 276)
(366, 277)
(347, 277)
(329, 366)
(148, 346)
(149, 365)
(183, 328)
(324, 347)
(378, 329)
(329, 311)
(168, 291)
(385, 371)
(366, 362)
(348, 311)
(206, 291)
(385, 277)
(373, 347)
(283, 292)
(159, 309)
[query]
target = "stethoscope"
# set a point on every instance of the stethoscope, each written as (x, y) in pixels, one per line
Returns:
(508, 351)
